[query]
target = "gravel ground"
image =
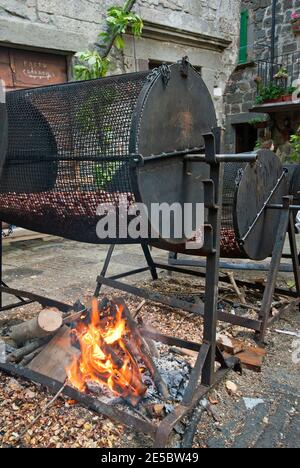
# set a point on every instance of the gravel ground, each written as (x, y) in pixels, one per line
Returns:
(66, 424)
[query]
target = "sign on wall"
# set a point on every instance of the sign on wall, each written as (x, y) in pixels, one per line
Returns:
(27, 69)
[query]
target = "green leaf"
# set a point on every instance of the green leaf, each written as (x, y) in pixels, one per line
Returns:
(119, 43)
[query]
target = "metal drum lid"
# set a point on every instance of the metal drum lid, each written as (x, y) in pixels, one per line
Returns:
(172, 114)
(254, 191)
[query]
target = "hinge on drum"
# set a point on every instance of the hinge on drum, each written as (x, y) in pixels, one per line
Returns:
(165, 73)
(184, 68)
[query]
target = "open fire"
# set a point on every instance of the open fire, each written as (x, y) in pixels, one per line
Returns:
(108, 355)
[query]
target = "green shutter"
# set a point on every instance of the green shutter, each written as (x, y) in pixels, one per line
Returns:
(244, 37)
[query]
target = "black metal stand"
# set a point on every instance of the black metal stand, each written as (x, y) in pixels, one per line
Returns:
(203, 376)
(265, 319)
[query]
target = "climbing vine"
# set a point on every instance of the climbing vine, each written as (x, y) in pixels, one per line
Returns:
(95, 63)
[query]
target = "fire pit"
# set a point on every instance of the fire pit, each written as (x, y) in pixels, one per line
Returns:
(104, 359)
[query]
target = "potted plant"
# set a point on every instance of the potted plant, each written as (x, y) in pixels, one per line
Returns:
(259, 122)
(288, 96)
(282, 77)
(295, 20)
(270, 94)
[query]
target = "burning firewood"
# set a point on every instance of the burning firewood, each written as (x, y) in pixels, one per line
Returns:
(48, 322)
(105, 357)
(145, 355)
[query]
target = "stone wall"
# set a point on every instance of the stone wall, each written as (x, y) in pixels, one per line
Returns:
(240, 92)
(210, 38)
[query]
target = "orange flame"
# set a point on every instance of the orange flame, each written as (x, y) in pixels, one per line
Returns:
(105, 358)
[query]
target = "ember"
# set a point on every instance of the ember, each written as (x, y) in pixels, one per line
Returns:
(106, 356)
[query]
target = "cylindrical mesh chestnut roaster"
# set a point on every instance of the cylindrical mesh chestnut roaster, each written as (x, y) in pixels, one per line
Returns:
(75, 147)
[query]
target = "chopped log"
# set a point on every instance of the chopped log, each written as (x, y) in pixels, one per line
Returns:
(139, 308)
(252, 358)
(48, 322)
(19, 354)
(145, 355)
(27, 359)
(150, 343)
(230, 345)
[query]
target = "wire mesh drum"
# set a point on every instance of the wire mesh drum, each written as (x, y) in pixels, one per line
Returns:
(78, 146)
(3, 127)
(248, 230)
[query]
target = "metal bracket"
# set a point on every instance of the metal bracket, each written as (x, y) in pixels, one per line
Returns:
(209, 194)
(184, 68)
(165, 73)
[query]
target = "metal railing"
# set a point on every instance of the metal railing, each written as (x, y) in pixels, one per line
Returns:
(267, 70)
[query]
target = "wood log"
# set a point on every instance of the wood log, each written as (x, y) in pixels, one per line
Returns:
(29, 357)
(144, 353)
(19, 354)
(56, 357)
(47, 322)
(238, 292)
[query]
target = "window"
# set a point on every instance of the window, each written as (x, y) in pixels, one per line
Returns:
(246, 137)
(243, 57)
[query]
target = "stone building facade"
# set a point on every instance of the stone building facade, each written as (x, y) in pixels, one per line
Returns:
(241, 90)
(207, 31)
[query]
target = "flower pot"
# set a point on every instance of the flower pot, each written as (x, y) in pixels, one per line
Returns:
(273, 101)
(296, 26)
(287, 98)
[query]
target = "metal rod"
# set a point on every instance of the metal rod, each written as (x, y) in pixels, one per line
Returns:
(196, 372)
(89, 402)
(96, 159)
(1, 265)
(167, 425)
(275, 263)
(294, 253)
(150, 261)
(273, 37)
(172, 154)
(244, 238)
(223, 265)
(104, 269)
(280, 207)
(130, 273)
(44, 301)
(224, 158)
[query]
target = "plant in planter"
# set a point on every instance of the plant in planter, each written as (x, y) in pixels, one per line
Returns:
(259, 122)
(288, 96)
(295, 20)
(282, 77)
(270, 93)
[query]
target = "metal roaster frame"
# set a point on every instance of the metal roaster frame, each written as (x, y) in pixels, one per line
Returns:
(265, 319)
(203, 376)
